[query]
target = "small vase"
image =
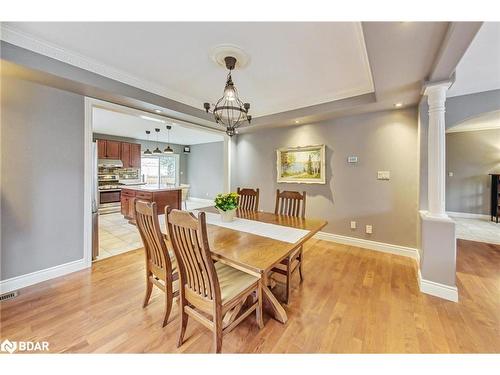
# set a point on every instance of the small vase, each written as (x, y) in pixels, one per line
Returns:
(227, 216)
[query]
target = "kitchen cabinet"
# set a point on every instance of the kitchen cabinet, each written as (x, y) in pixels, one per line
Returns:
(101, 149)
(125, 155)
(162, 196)
(135, 155)
(131, 155)
(108, 149)
(128, 153)
(113, 149)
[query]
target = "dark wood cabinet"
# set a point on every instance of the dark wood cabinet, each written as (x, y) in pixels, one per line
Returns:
(101, 149)
(495, 197)
(125, 155)
(113, 149)
(162, 198)
(135, 155)
(128, 153)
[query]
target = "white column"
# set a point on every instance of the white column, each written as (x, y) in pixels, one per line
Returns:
(436, 152)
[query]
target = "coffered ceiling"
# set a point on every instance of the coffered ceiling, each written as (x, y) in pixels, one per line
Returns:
(297, 72)
(292, 65)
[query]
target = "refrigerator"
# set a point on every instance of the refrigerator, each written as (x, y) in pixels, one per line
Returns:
(95, 203)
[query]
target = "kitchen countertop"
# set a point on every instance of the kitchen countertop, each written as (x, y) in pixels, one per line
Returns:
(152, 188)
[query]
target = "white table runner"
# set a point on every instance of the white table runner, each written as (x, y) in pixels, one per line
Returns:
(276, 232)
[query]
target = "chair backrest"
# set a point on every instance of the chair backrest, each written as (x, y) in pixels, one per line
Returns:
(290, 203)
(189, 239)
(184, 191)
(248, 199)
(157, 258)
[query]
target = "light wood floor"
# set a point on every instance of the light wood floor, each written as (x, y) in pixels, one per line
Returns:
(352, 300)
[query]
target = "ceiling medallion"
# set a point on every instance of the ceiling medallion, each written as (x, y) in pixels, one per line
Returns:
(230, 111)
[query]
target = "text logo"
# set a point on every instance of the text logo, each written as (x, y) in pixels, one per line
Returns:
(8, 346)
(24, 346)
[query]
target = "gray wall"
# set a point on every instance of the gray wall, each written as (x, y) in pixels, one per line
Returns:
(206, 170)
(382, 141)
(471, 156)
(178, 149)
(42, 137)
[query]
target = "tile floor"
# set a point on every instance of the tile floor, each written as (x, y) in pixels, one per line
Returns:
(117, 236)
(481, 230)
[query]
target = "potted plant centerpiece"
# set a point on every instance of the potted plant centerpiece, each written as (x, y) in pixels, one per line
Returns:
(227, 204)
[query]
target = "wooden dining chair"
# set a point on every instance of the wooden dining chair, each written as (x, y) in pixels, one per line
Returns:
(212, 293)
(248, 199)
(290, 203)
(161, 267)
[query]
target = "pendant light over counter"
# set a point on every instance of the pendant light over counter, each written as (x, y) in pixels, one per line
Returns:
(168, 150)
(148, 151)
(157, 150)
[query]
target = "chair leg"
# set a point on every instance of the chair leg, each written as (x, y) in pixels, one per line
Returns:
(169, 299)
(184, 322)
(288, 280)
(300, 266)
(258, 310)
(149, 289)
(218, 334)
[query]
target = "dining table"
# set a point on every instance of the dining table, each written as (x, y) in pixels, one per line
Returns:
(255, 242)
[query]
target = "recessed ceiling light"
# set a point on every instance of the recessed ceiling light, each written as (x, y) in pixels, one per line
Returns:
(157, 111)
(398, 105)
(151, 119)
(297, 121)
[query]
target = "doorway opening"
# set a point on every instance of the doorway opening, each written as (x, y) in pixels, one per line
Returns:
(129, 150)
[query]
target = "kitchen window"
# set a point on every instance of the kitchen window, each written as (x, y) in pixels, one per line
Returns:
(160, 170)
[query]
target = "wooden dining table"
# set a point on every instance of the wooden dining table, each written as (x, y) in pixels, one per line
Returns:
(256, 254)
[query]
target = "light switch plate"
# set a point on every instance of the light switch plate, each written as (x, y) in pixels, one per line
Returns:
(369, 229)
(353, 225)
(352, 159)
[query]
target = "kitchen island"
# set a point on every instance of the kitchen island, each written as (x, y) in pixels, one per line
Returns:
(163, 195)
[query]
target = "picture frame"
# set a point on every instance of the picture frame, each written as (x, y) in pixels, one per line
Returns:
(301, 164)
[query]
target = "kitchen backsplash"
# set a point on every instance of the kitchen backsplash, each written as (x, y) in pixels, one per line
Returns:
(128, 173)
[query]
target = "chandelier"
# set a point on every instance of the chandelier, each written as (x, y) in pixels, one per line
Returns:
(230, 111)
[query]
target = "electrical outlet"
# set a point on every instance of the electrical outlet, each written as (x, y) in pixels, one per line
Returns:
(369, 229)
(450, 174)
(353, 225)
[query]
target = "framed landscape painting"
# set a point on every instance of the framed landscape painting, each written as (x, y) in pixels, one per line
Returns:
(303, 165)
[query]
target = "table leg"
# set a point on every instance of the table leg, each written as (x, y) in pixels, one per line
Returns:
(278, 310)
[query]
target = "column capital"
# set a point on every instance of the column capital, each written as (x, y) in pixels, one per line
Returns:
(433, 88)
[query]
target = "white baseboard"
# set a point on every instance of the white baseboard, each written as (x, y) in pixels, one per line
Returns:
(368, 244)
(201, 200)
(36, 277)
(447, 292)
(467, 215)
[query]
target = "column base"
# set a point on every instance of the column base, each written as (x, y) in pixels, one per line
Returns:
(438, 256)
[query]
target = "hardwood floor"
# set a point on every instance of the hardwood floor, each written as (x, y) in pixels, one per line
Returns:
(356, 300)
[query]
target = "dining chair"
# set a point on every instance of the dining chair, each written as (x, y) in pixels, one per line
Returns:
(161, 266)
(290, 203)
(248, 199)
(214, 294)
(184, 194)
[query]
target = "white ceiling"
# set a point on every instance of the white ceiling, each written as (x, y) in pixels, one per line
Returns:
(292, 65)
(125, 125)
(479, 68)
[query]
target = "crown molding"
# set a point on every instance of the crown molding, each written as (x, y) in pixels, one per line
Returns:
(24, 40)
(29, 42)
